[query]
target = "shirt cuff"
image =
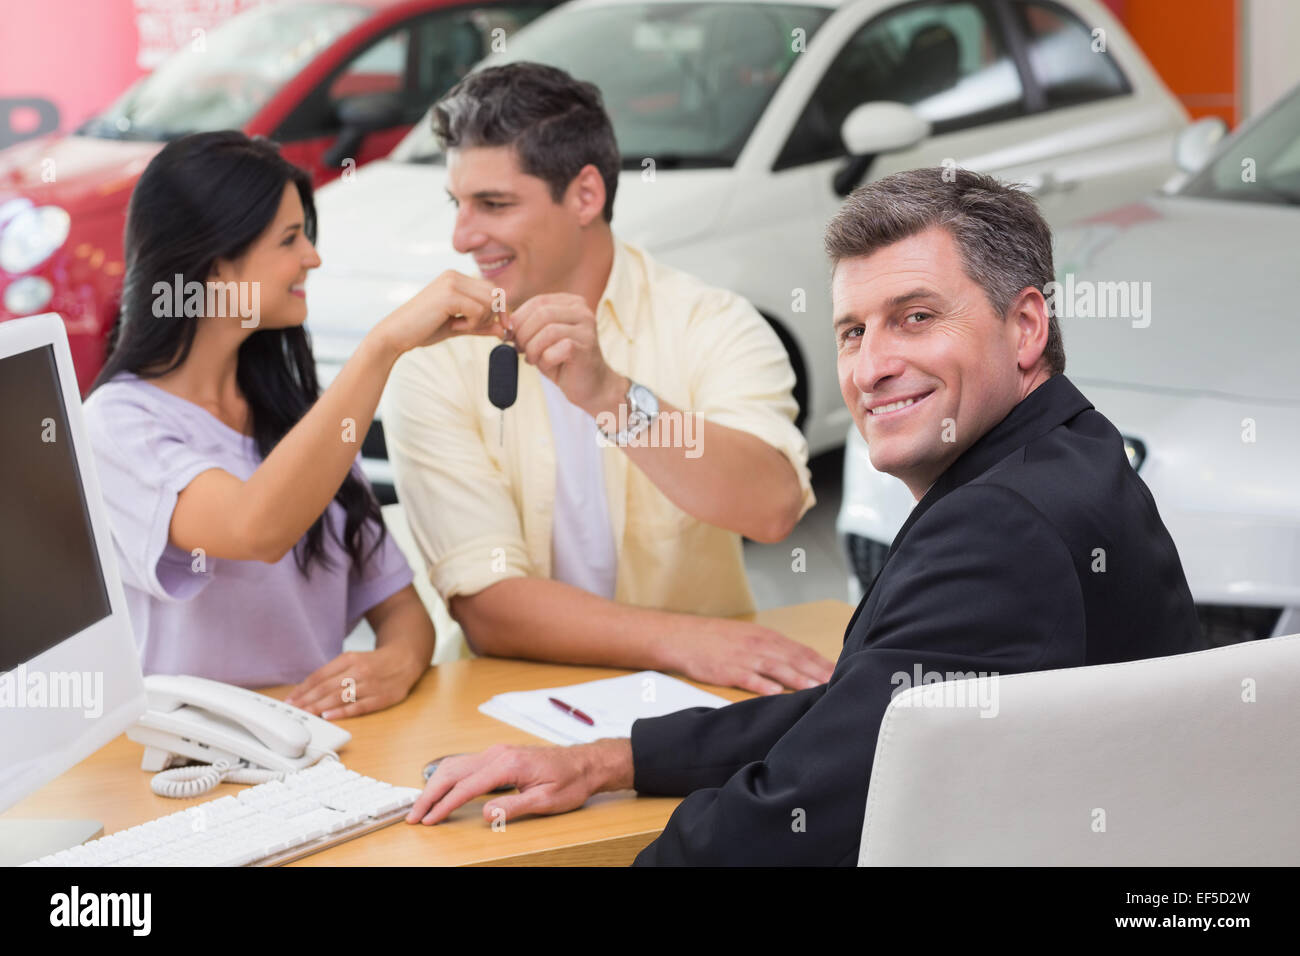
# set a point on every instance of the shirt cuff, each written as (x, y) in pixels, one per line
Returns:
(478, 564)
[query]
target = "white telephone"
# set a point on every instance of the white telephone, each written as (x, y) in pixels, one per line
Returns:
(245, 736)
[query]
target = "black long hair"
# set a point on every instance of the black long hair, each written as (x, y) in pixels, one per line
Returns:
(206, 197)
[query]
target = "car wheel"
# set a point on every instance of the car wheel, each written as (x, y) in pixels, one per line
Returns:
(800, 370)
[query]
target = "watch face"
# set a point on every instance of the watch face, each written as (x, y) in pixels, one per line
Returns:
(645, 400)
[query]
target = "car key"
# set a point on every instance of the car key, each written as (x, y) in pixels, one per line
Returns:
(503, 378)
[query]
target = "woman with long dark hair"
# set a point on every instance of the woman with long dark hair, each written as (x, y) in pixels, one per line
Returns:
(249, 541)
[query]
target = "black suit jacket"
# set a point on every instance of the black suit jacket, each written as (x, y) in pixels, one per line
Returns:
(997, 569)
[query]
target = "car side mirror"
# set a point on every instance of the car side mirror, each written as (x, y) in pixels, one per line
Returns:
(1196, 144)
(360, 116)
(872, 129)
(882, 127)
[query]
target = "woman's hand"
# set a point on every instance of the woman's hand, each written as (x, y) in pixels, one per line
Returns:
(452, 304)
(358, 682)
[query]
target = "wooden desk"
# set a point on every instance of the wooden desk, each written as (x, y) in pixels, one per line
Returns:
(439, 717)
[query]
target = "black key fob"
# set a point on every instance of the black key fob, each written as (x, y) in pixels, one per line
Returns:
(503, 376)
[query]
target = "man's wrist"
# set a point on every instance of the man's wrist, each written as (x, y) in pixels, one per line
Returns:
(611, 396)
(676, 637)
(611, 766)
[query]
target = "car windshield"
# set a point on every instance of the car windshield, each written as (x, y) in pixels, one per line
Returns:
(684, 83)
(219, 81)
(1262, 164)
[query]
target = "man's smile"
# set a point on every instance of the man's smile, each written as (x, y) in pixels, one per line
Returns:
(897, 407)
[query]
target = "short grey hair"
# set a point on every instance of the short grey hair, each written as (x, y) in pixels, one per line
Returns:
(1004, 243)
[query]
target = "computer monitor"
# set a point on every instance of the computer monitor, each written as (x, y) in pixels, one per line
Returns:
(70, 677)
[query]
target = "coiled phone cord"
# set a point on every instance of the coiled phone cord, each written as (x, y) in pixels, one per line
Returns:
(184, 782)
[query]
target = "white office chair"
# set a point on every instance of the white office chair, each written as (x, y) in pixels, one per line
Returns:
(1185, 760)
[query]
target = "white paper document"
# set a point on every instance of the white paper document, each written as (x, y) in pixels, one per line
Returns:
(612, 704)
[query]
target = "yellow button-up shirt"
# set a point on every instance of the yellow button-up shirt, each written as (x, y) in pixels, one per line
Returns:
(480, 509)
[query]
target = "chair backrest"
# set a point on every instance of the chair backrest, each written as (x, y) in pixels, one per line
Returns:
(1186, 760)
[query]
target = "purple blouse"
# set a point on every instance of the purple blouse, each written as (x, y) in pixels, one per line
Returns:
(242, 622)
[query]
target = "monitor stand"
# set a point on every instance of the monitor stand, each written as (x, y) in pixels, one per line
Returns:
(24, 840)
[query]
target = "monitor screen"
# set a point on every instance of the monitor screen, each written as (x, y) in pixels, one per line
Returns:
(51, 582)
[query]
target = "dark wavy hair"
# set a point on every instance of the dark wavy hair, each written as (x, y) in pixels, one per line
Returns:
(206, 197)
(556, 124)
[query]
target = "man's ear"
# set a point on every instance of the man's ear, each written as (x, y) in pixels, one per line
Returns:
(587, 193)
(1029, 319)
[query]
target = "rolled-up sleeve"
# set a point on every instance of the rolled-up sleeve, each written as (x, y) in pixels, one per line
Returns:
(458, 503)
(741, 378)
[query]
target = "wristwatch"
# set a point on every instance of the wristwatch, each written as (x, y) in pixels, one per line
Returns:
(642, 409)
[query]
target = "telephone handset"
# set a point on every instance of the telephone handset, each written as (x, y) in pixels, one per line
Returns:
(247, 737)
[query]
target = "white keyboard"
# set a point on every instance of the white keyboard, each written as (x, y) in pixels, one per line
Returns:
(265, 825)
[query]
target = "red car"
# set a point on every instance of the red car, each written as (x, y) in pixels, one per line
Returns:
(337, 84)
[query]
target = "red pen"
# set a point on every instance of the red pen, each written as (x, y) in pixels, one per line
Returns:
(572, 711)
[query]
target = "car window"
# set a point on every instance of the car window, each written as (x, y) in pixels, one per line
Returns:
(1259, 164)
(944, 60)
(450, 46)
(418, 61)
(684, 83)
(223, 82)
(1067, 63)
(380, 69)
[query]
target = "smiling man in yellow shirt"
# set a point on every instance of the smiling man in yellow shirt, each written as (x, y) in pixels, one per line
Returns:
(654, 423)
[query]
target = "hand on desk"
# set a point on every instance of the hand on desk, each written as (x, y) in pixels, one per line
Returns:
(358, 682)
(549, 779)
(749, 656)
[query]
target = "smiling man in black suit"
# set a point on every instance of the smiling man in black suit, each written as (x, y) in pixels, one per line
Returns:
(1033, 545)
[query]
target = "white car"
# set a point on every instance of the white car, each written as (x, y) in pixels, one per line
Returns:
(1201, 374)
(743, 125)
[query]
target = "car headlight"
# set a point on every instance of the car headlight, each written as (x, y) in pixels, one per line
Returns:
(1136, 451)
(32, 236)
(28, 294)
(13, 207)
